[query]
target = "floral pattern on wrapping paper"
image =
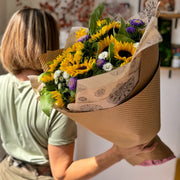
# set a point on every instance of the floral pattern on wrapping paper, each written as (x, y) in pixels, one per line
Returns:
(82, 99)
(90, 107)
(121, 91)
(81, 87)
(149, 11)
(100, 92)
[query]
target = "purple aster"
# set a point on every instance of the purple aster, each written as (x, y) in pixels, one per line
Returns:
(83, 38)
(72, 83)
(100, 63)
(130, 30)
(136, 22)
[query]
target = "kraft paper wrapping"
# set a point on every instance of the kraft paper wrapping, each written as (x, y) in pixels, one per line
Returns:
(137, 119)
(177, 172)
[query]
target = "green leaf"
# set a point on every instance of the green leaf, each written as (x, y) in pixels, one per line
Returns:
(97, 70)
(40, 76)
(46, 101)
(72, 93)
(122, 29)
(96, 15)
(123, 38)
(95, 47)
(111, 50)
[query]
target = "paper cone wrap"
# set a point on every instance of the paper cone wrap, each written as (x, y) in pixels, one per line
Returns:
(136, 121)
(133, 122)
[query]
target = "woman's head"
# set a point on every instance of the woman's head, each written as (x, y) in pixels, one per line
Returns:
(30, 33)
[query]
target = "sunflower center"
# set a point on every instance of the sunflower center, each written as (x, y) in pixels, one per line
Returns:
(123, 53)
(111, 31)
(82, 68)
(106, 49)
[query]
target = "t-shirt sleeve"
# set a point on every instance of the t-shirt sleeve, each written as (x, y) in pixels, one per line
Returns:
(62, 130)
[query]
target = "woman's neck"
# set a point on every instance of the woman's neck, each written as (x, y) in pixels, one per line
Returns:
(23, 75)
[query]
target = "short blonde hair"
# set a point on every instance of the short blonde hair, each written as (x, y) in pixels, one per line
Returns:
(30, 33)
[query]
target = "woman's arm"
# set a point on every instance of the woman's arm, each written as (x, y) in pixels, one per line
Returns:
(64, 168)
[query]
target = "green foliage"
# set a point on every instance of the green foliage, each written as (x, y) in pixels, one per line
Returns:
(123, 35)
(122, 29)
(46, 101)
(123, 38)
(97, 70)
(89, 50)
(96, 15)
(111, 51)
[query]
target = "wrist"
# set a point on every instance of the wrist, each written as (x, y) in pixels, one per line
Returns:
(115, 151)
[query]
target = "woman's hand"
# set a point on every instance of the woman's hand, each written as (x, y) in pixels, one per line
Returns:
(132, 151)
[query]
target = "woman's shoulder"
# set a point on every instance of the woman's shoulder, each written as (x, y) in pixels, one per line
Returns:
(5, 77)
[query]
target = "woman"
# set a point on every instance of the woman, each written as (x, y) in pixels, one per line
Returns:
(39, 147)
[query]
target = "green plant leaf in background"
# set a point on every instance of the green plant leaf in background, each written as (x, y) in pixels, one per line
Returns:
(96, 15)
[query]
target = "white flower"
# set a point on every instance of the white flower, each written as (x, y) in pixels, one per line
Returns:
(57, 74)
(61, 79)
(103, 55)
(56, 80)
(59, 86)
(136, 44)
(65, 75)
(107, 67)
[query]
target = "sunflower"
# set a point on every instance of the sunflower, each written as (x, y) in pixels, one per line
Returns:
(72, 55)
(77, 46)
(47, 77)
(85, 67)
(124, 51)
(101, 22)
(107, 29)
(74, 67)
(104, 44)
(80, 33)
(72, 58)
(55, 63)
(58, 99)
(67, 51)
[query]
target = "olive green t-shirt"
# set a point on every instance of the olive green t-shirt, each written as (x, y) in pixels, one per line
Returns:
(24, 129)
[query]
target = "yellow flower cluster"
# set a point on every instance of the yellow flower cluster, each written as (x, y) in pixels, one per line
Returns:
(80, 33)
(70, 61)
(101, 22)
(58, 97)
(47, 77)
(73, 67)
(55, 62)
(105, 29)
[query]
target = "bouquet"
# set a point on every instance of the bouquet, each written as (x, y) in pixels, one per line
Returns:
(106, 45)
(107, 80)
